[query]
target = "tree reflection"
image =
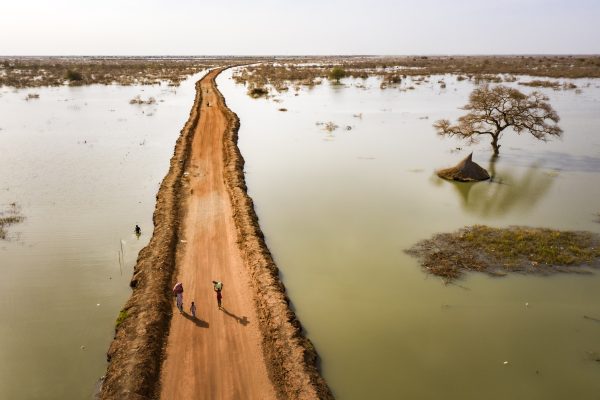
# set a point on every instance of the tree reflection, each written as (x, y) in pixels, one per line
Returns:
(507, 191)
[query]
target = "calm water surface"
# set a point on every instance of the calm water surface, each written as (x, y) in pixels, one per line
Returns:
(339, 209)
(84, 167)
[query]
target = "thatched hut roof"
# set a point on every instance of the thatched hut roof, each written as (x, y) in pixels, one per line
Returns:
(465, 171)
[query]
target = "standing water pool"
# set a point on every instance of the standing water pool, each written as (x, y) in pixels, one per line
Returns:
(339, 207)
(83, 166)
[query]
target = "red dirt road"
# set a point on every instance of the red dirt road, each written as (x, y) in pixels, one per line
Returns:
(219, 355)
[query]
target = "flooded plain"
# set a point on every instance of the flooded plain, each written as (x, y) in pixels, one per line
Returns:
(83, 166)
(338, 209)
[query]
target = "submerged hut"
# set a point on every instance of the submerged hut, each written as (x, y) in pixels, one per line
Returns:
(464, 171)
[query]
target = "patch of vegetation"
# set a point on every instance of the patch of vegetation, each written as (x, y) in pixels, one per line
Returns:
(74, 76)
(539, 83)
(138, 100)
(8, 217)
(257, 92)
(22, 72)
(122, 316)
(328, 126)
(284, 72)
(336, 74)
(550, 84)
(486, 78)
(514, 249)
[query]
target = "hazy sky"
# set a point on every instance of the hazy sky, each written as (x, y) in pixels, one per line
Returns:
(260, 27)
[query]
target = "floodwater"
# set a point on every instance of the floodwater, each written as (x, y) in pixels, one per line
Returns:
(83, 166)
(339, 208)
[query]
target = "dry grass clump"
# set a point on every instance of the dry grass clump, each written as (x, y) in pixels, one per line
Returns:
(544, 84)
(25, 72)
(328, 126)
(257, 92)
(12, 215)
(390, 80)
(138, 100)
(32, 96)
(515, 249)
(487, 78)
(550, 84)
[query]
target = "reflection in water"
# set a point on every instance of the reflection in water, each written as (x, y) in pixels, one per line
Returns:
(85, 166)
(556, 160)
(506, 192)
(337, 224)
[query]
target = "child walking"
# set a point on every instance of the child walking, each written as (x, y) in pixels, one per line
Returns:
(193, 309)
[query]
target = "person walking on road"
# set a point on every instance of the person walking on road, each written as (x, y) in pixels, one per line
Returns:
(219, 297)
(218, 287)
(180, 302)
(178, 292)
(193, 309)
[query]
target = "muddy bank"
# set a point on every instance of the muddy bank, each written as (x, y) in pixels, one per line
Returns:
(135, 354)
(291, 359)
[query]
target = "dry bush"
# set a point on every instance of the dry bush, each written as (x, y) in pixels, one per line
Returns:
(138, 100)
(556, 85)
(544, 84)
(328, 126)
(256, 92)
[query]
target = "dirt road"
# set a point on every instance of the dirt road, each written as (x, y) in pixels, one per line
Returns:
(217, 356)
(205, 229)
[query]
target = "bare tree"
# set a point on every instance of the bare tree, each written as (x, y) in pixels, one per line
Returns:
(492, 110)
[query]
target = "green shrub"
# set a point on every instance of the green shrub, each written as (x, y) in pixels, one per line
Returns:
(122, 316)
(336, 74)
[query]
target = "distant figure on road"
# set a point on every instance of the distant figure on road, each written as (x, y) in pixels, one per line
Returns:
(193, 309)
(138, 230)
(218, 287)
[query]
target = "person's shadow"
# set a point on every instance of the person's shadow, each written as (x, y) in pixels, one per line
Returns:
(199, 323)
(242, 320)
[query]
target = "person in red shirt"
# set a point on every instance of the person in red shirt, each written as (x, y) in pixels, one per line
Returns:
(218, 287)
(219, 297)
